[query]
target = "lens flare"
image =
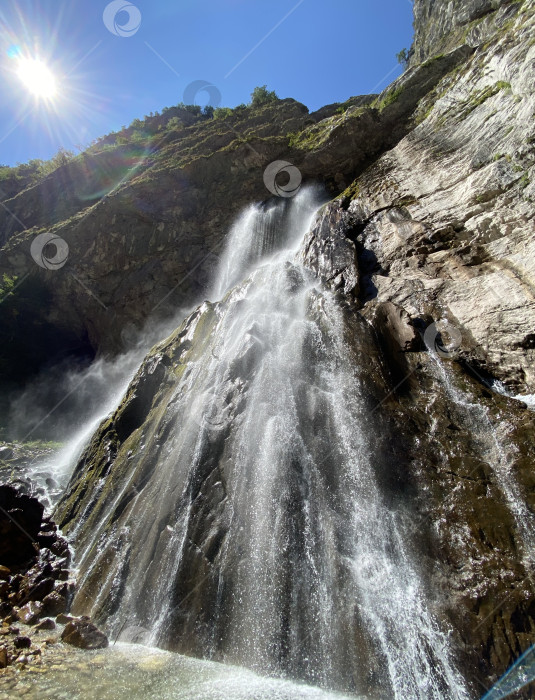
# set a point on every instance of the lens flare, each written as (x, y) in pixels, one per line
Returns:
(37, 78)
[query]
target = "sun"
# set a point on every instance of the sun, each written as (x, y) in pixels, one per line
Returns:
(37, 78)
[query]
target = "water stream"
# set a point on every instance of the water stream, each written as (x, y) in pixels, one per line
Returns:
(497, 450)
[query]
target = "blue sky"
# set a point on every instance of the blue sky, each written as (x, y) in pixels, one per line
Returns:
(318, 52)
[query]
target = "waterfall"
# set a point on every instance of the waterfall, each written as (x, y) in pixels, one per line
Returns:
(261, 536)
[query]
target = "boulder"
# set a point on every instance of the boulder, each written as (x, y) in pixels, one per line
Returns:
(84, 635)
(39, 591)
(46, 624)
(63, 619)
(54, 604)
(30, 613)
(22, 642)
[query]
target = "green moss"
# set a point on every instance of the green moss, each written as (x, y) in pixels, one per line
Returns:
(524, 181)
(432, 60)
(43, 445)
(391, 97)
(350, 193)
(7, 287)
(477, 98)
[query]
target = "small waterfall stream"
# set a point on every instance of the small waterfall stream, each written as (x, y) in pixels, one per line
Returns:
(308, 572)
(496, 449)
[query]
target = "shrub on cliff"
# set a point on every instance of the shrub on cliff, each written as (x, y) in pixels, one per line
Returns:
(261, 96)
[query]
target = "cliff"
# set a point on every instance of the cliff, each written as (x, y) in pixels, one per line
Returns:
(430, 225)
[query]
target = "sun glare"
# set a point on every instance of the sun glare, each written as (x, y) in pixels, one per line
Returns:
(37, 78)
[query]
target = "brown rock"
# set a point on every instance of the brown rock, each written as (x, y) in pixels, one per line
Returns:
(3, 657)
(4, 589)
(5, 573)
(84, 635)
(63, 619)
(30, 613)
(22, 642)
(46, 624)
(38, 591)
(54, 604)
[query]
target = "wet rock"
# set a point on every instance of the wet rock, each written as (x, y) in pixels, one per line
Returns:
(22, 642)
(330, 251)
(46, 624)
(54, 604)
(39, 591)
(46, 539)
(5, 573)
(6, 452)
(63, 619)
(3, 657)
(84, 635)
(30, 613)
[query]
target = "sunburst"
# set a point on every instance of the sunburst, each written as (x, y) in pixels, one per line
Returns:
(37, 78)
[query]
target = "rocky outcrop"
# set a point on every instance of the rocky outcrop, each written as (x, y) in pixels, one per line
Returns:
(440, 26)
(443, 223)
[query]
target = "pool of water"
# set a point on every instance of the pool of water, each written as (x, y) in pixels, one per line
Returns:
(136, 672)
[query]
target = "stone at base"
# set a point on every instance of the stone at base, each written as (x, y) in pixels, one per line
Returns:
(84, 635)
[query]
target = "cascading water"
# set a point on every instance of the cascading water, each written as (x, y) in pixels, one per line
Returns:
(264, 445)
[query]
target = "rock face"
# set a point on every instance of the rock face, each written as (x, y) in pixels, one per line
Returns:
(444, 221)
(441, 25)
